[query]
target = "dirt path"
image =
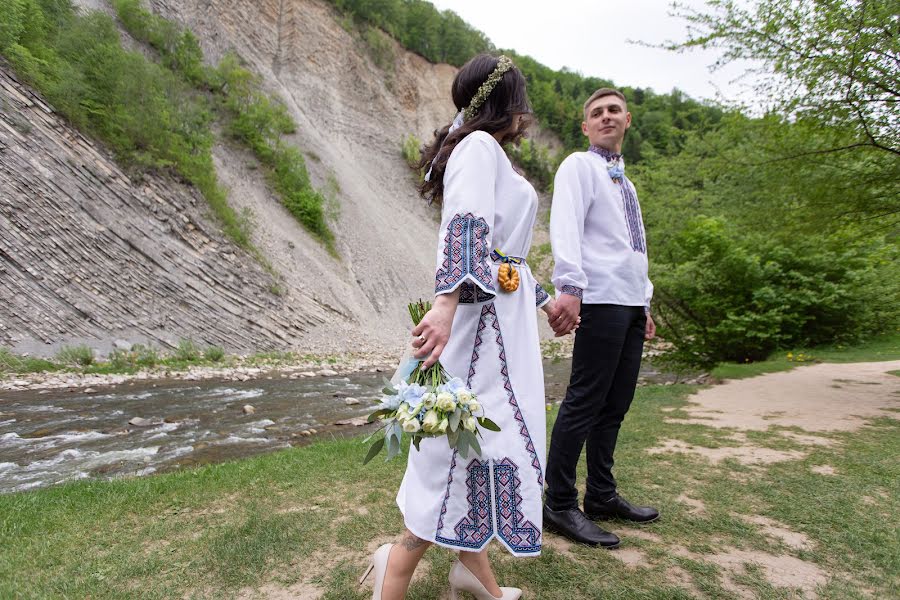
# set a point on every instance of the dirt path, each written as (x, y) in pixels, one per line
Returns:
(816, 398)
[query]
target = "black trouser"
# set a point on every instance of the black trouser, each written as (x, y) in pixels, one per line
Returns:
(605, 365)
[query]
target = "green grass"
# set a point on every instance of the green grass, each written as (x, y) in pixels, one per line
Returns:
(880, 348)
(314, 514)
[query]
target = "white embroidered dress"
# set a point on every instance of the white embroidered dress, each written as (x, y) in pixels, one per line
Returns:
(463, 503)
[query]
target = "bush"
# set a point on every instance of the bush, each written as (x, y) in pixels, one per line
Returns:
(145, 356)
(187, 351)
(411, 150)
(381, 48)
(722, 298)
(76, 356)
(214, 353)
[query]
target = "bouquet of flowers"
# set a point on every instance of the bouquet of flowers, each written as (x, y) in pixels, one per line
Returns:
(427, 403)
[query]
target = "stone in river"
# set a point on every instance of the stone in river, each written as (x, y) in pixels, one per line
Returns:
(355, 421)
(249, 409)
(327, 373)
(350, 401)
(141, 422)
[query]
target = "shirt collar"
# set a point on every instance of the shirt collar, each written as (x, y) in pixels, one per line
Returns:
(609, 155)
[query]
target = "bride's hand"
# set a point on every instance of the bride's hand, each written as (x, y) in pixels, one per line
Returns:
(430, 336)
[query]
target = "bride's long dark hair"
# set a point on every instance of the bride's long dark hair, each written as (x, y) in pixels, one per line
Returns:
(506, 100)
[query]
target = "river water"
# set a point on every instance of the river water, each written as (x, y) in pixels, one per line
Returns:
(53, 436)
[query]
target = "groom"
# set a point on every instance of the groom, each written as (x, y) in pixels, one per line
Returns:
(600, 273)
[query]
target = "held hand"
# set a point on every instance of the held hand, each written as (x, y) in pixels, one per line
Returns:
(566, 319)
(431, 334)
(550, 309)
(650, 330)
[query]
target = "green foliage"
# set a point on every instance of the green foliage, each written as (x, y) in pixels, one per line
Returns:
(535, 160)
(76, 356)
(420, 27)
(729, 297)
(411, 150)
(260, 121)
(381, 48)
(179, 49)
(214, 353)
(836, 62)
(187, 351)
(12, 363)
(148, 116)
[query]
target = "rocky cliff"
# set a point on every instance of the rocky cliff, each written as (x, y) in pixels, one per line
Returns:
(90, 255)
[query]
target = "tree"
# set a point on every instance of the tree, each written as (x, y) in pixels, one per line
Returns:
(837, 61)
(829, 64)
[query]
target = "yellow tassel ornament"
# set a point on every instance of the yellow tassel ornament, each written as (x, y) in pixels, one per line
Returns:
(508, 277)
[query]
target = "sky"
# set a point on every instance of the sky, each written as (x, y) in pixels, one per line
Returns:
(592, 37)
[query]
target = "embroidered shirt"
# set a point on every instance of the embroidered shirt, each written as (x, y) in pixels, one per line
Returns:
(597, 235)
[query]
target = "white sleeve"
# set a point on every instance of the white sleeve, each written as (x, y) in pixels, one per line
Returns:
(567, 229)
(648, 294)
(467, 219)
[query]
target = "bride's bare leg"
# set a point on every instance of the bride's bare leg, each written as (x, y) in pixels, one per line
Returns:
(480, 566)
(405, 555)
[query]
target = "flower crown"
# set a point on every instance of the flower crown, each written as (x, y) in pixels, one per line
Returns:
(504, 64)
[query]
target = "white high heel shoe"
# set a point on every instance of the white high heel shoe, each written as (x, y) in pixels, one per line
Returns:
(379, 564)
(462, 580)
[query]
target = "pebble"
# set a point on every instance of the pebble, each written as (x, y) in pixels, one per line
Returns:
(350, 401)
(249, 409)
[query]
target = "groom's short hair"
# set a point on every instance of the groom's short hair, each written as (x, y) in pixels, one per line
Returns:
(601, 93)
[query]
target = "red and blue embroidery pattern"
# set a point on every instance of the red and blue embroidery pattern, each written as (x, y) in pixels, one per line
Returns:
(540, 295)
(465, 254)
(477, 527)
(572, 291)
(633, 217)
(519, 534)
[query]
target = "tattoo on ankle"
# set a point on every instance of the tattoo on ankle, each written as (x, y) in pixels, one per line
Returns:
(411, 542)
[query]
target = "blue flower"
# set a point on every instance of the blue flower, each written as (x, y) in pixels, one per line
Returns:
(616, 172)
(390, 402)
(454, 385)
(412, 394)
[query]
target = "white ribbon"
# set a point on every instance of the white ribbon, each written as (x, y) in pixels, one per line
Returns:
(456, 124)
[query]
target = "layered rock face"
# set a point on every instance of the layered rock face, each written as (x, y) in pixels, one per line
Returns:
(88, 255)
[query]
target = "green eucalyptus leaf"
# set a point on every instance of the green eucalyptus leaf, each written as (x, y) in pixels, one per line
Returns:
(488, 424)
(374, 450)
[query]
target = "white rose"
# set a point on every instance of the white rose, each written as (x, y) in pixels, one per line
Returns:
(429, 399)
(446, 402)
(411, 426)
(402, 409)
(443, 425)
(464, 396)
(470, 423)
(431, 421)
(474, 407)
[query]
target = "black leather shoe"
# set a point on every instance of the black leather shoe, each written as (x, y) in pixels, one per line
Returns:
(572, 523)
(618, 507)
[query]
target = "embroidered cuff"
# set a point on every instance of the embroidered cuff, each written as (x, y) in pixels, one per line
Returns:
(541, 297)
(573, 291)
(466, 257)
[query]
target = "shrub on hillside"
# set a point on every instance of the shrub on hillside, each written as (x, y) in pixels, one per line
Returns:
(723, 298)
(76, 356)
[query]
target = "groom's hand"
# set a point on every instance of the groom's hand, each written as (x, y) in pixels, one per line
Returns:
(568, 307)
(650, 330)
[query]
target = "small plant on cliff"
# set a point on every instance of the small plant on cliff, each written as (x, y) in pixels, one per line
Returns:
(411, 149)
(76, 356)
(187, 351)
(214, 353)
